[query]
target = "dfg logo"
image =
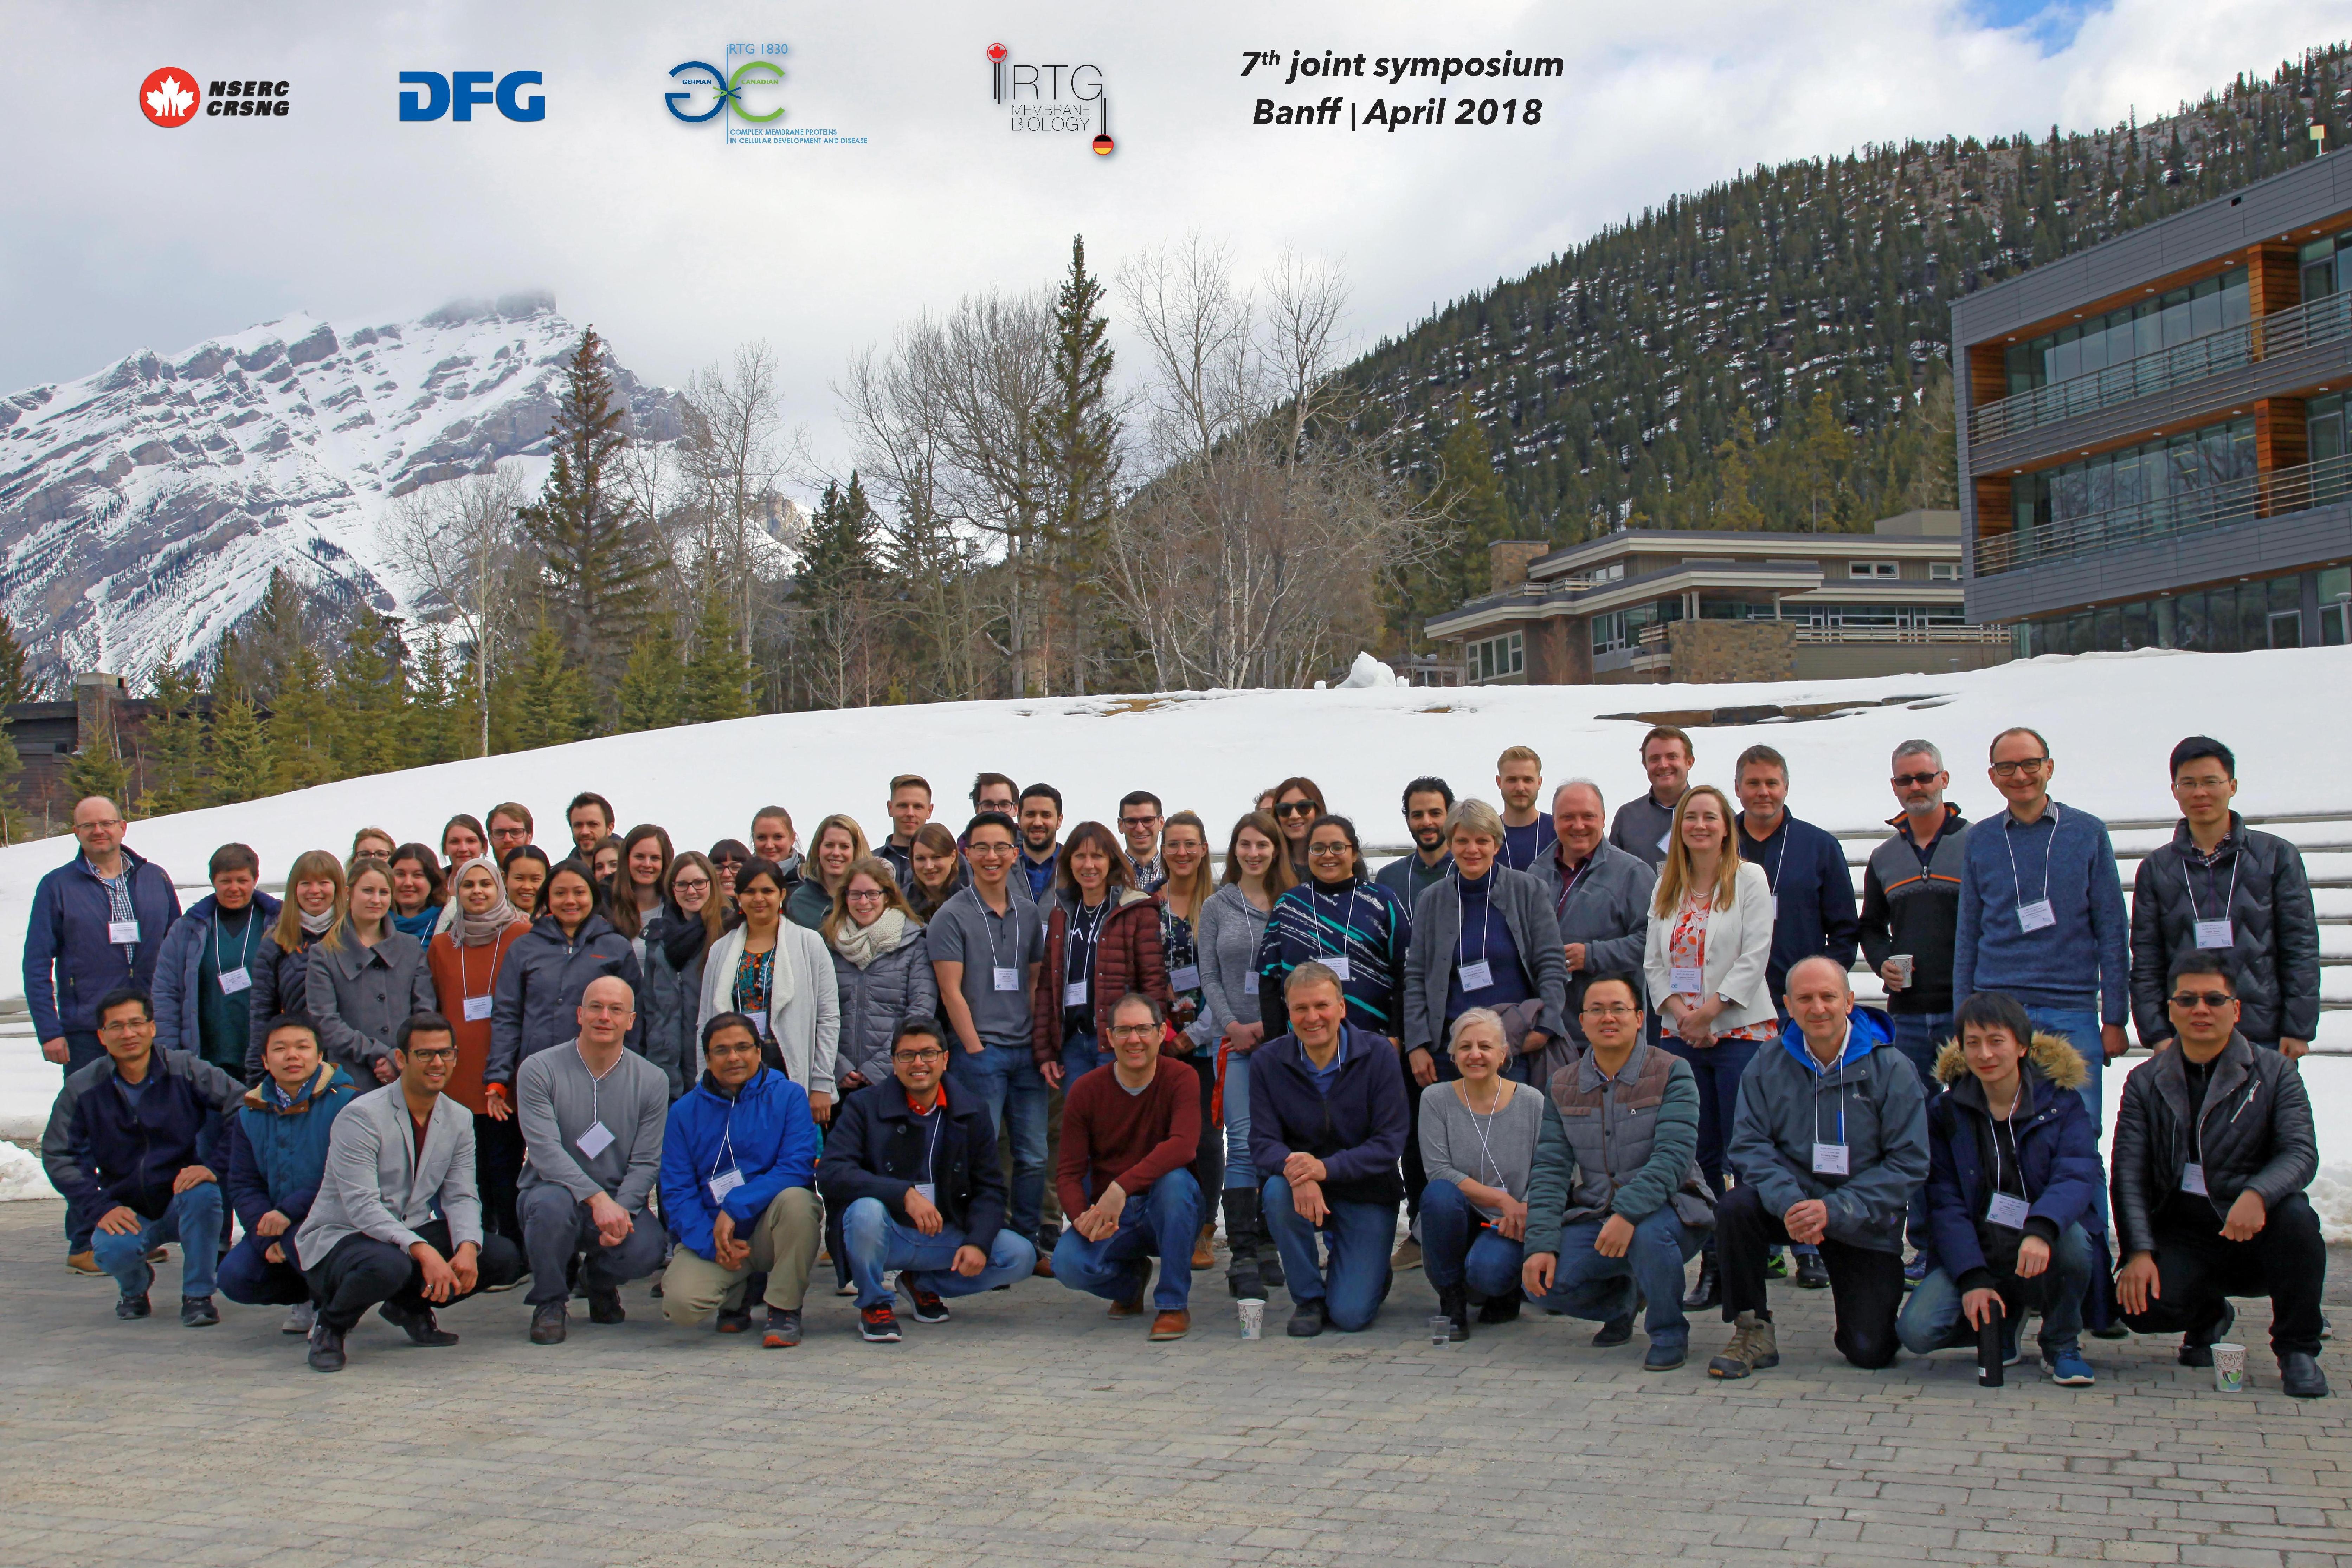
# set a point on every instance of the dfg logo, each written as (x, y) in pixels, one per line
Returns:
(429, 95)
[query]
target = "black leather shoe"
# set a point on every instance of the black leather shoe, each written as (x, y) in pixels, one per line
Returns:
(2197, 1344)
(1453, 1305)
(1500, 1309)
(1812, 1274)
(1709, 1292)
(420, 1326)
(2300, 1377)
(132, 1306)
(1307, 1318)
(326, 1349)
(605, 1307)
(1616, 1330)
(547, 1324)
(198, 1312)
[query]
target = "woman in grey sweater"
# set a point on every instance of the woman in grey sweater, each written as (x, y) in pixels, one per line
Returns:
(1478, 1136)
(1231, 921)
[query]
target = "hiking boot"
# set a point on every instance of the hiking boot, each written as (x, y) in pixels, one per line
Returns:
(84, 1261)
(2197, 1344)
(734, 1320)
(198, 1312)
(420, 1325)
(1407, 1256)
(1708, 1294)
(1307, 1318)
(1753, 1347)
(2300, 1377)
(1776, 1267)
(1613, 1332)
(1044, 1268)
(326, 1349)
(878, 1324)
(1173, 1323)
(1131, 1304)
(1454, 1305)
(547, 1326)
(1812, 1274)
(131, 1306)
(784, 1330)
(300, 1319)
(605, 1307)
(1205, 1249)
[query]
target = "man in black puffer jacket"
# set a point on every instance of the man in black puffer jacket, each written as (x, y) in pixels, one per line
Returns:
(2213, 1148)
(2216, 869)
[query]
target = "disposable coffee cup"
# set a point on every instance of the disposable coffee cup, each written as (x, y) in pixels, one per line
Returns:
(1252, 1312)
(1441, 1330)
(1901, 964)
(2229, 1369)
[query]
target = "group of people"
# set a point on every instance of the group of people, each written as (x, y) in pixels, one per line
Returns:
(1579, 1049)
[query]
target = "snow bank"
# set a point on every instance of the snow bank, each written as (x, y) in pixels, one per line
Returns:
(21, 1176)
(2331, 1194)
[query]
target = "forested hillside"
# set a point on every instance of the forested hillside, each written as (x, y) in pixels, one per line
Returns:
(1773, 351)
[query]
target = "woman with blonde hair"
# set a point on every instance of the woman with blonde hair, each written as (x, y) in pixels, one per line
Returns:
(1184, 890)
(837, 844)
(881, 969)
(280, 971)
(1709, 940)
(940, 872)
(365, 977)
(692, 917)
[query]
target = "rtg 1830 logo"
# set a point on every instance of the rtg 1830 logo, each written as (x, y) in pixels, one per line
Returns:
(1052, 100)
(747, 99)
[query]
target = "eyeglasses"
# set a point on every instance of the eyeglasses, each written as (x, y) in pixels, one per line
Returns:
(433, 1053)
(124, 1026)
(607, 1010)
(1295, 809)
(1137, 821)
(1611, 1010)
(691, 884)
(929, 1053)
(2216, 1000)
(1915, 780)
(99, 822)
(1134, 1030)
(872, 895)
(2023, 765)
(1320, 850)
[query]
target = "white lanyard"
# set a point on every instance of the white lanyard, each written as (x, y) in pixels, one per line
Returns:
(1347, 917)
(1485, 1149)
(245, 956)
(1093, 933)
(2199, 928)
(726, 1143)
(2049, 854)
(1486, 928)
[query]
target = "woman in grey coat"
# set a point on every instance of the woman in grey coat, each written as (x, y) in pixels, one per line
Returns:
(364, 978)
(882, 966)
(676, 938)
(1233, 923)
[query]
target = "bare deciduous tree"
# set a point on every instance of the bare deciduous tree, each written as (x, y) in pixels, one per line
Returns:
(455, 543)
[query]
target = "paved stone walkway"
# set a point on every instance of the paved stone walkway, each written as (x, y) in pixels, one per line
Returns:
(1031, 1431)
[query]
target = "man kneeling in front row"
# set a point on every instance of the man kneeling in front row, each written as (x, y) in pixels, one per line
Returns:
(736, 1162)
(397, 1220)
(277, 1159)
(918, 1186)
(2213, 1148)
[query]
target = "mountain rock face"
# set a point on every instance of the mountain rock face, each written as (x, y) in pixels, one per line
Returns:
(142, 508)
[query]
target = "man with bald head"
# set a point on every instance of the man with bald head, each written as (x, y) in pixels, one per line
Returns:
(1602, 897)
(593, 1115)
(1829, 1141)
(96, 925)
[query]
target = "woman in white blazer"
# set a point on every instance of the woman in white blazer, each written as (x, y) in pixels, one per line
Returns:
(780, 975)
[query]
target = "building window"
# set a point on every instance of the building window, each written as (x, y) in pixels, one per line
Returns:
(1495, 657)
(2227, 618)
(2327, 266)
(1621, 628)
(1943, 571)
(1873, 569)
(2156, 471)
(2080, 349)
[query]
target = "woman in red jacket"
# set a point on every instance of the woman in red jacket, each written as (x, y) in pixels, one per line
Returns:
(1102, 941)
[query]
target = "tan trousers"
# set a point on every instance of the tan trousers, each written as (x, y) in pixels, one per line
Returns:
(783, 1245)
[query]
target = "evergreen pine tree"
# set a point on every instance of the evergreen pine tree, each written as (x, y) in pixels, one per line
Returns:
(176, 747)
(653, 688)
(834, 587)
(303, 725)
(16, 684)
(241, 761)
(441, 717)
(1081, 445)
(98, 768)
(372, 698)
(717, 678)
(546, 698)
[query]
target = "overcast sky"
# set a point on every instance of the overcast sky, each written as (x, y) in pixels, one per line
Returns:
(117, 236)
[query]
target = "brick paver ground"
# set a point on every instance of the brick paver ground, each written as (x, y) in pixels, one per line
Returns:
(1031, 1431)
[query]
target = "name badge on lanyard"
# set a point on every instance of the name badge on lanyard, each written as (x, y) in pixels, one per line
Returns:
(1007, 979)
(929, 1189)
(1186, 977)
(1829, 1159)
(1686, 982)
(1074, 995)
(122, 931)
(725, 1182)
(2007, 1212)
(2192, 1179)
(235, 980)
(595, 1140)
(2213, 936)
(1475, 976)
(1338, 964)
(477, 1009)
(2037, 916)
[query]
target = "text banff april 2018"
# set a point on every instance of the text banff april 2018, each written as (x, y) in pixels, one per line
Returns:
(1392, 116)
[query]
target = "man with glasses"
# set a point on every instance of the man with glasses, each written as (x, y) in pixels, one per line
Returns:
(738, 1163)
(122, 1144)
(2224, 886)
(509, 828)
(1426, 802)
(909, 808)
(1644, 823)
(1139, 823)
(1599, 893)
(591, 1119)
(97, 924)
(1129, 1131)
(1910, 909)
(916, 1181)
(2214, 1145)
(396, 1220)
(985, 944)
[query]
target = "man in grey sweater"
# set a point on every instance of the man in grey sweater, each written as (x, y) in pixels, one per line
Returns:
(593, 1118)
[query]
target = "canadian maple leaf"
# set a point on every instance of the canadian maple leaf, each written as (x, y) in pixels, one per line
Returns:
(170, 99)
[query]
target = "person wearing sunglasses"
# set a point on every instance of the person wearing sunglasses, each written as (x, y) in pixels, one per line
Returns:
(914, 1175)
(2214, 1146)
(1297, 803)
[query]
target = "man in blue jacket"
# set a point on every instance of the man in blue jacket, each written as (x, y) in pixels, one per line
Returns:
(121, 1142)
(1327, 1124)
(96, 923)
(738, 1158)
(918, 1188)
(1829, 1140)
(277, 1158)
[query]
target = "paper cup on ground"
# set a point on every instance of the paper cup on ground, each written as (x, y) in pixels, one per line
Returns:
(2230, 1368)
(1252, 1312)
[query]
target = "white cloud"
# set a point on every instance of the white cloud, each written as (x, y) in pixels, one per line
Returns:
(115, 235)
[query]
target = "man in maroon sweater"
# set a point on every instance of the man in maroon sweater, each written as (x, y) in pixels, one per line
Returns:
(1129, 1132)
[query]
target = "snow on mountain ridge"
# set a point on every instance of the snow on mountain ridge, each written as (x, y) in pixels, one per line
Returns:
(144, 507)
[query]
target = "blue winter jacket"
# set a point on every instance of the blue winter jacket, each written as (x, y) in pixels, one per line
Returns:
(1814, 908)
(1869, 1100)
(179, 964)
(278, 1156)
(2057, 1153)
(2082, 961)
(101, 1147)
(65, 931)
(765, 1134)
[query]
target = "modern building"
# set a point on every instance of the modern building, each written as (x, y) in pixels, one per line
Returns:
(1658, 604)
(2152, 432)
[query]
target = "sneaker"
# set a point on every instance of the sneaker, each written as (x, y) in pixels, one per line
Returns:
(878, 1325)
(1407, 1256)
(131, 1306)
(2300, 1377)
(424, 1329)
(846, 1288)
(1812, 1274)
(1307, 1318)
(605, 1307)
(326, 1349)
(1916, 1270)
(300, 1319)
(1776, 1267)
(1173, 1323)
(198, 1312)
(2068, 1368)
(1755, 1346)
(1616, 1331)
(1664, 1354)
(84, 1261)
(547, 1326)
(929, 1308)
(784, 1330)
(2197, 1347)
(735, 1320)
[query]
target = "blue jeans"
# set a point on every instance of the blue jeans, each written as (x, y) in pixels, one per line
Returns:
(1933, 1313)
(999, 1076)
(192, 1219)
(1160, 1223)
(1586, 1285)
(875, 1242)
(1919, 1036)
(1360, 1234)
(1460, 1249)
(1719, 1068)
(248, 1275)
(1239, 1172)
(1081, 1054)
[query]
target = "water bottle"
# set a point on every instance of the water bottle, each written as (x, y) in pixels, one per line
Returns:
(1988, 1349)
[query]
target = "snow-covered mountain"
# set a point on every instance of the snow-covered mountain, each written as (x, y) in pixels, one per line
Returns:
(142, 508)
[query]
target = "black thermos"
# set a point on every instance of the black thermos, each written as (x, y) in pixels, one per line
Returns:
(1988, 1349)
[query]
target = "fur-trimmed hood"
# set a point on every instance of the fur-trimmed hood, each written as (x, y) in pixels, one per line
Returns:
(2051, 1055)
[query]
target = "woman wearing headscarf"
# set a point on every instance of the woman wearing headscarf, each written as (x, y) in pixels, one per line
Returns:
(465, 961)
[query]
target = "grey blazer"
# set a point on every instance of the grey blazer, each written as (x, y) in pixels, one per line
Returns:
(360, 995)
(1526, 908)
(378, 1184)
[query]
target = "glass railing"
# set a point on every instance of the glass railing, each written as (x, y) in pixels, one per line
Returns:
(2325, 320)
(2281, 491)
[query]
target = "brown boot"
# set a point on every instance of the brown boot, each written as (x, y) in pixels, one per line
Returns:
(1172, 1324)
(1753, 1347)
(1204, 1250)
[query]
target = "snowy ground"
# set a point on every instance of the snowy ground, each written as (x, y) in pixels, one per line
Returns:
(2111, 720)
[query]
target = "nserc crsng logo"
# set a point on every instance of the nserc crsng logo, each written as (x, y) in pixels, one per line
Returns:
(431, 95)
